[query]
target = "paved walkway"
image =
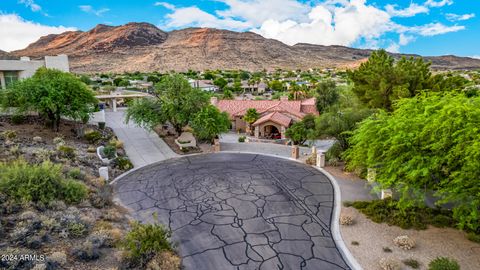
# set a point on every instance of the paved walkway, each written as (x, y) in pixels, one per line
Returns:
(142, 147)
(238, 211)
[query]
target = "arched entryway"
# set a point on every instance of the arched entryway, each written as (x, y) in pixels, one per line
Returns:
(271, 132)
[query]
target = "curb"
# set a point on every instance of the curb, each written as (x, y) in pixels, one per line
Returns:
(335, 226)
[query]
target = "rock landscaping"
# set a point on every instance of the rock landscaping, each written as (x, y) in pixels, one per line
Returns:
(55, 210)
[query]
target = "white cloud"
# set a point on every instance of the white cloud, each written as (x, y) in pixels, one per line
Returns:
(31, 4)
(434, 29)
(393, 48)
(455, 17)
(328, 22)
(18, 33)
(165, 5)
(90, 9)
(475, 56)
(258, 11)
(441, 3)
(193, 16)
(410, 11)
(342, 25)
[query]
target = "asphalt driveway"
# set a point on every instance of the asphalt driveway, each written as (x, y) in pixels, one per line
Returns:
(238, 211)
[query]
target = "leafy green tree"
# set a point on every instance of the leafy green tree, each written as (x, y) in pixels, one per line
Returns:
(209, 123)
(208, 76)
(276, 85)
(326, 95)
(53, 94)
(153, 79)
(379, 81)
(85, 79)
(237, 86)
(227, 94)
(220, 82)
(250, 117)
(430, 142)
(298, 133)
(175, 102)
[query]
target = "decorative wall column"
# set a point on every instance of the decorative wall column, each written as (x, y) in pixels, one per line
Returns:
(257, 131)
(282, 132)
(3, 85)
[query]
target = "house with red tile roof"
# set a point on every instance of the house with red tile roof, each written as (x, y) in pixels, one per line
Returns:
(275, 115)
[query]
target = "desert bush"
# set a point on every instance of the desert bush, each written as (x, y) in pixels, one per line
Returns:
(76, 173)
(387, 250)
(311, 160)
(123, 163)
(93, 136)
(102, 197)
(9, 134)
(413, 217)
(74, 191)
(66, 151)
(143, 241)
(18, 119)
(404, 242)
(355, 243)
(15, 150)
(58, 141)
(242, 139)
(109, 152)
(86, 252)
(116, 143)
(43, 183)
(165, 260)
(76, 229)
(443, 263)
(346, 220)
(57, 205)
(412, 263)
(42, 155)
(58, 258)
(389, 264)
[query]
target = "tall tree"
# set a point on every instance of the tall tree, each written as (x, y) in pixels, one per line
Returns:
(53, 94)
(326, 94)
(209, 123)
(380, 81)
(430, 142)
(175, 102)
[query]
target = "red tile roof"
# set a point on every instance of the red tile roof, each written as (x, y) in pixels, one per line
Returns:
(275, 117)
(239, 107)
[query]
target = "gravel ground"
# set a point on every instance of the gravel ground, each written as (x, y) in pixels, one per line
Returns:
(431, 243)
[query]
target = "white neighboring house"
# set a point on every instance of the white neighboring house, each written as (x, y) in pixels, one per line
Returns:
(204, 85)
(13, 70)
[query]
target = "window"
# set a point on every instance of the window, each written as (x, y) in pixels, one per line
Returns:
(10, 77)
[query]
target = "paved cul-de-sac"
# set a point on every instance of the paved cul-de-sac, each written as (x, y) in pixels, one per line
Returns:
(238, 211)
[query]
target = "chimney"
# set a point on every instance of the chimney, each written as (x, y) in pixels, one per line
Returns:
(284, 98)
(214, 101)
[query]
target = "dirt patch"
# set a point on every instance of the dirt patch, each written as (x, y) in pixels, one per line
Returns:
(373, 237)
(169, 136)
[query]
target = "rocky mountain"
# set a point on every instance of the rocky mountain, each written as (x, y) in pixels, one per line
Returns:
(144, 47)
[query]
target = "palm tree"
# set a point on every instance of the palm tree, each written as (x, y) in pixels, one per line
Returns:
(250, 117)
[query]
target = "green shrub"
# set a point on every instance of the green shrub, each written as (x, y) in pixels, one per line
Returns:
(93, 136)
(109, 151)
(334, 153)
(43, 182)
(242, 139)
(76, 173)
(66, 151)
(123, 163)
(74, 191)
(443, 263)
(411, 263)
(145, 240)
(18, 119)
(473, 237)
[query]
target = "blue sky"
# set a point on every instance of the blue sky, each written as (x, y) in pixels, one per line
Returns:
(427, 27)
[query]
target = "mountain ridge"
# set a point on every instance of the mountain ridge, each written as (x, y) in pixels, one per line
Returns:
(144, 47)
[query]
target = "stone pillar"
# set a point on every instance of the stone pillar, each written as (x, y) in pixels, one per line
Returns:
(386, 193)
(257, 131)
(234, 125)
(314, 150)
(282, 132)
(295, 152)
(321, 160)
(216, 145)
(3, 85)
(103, 172)
(114, 104)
